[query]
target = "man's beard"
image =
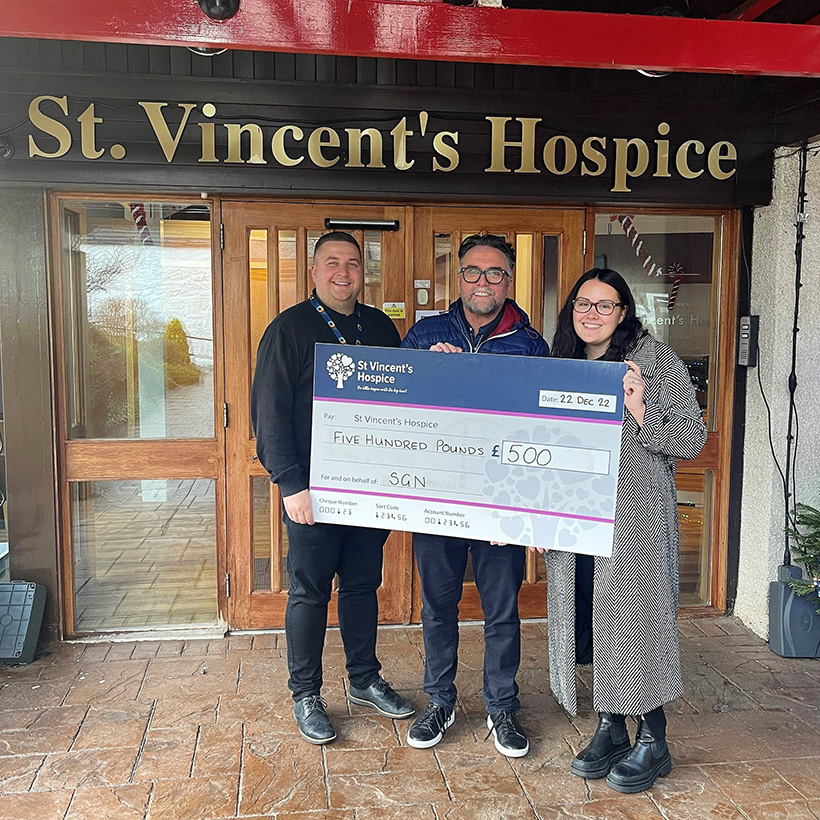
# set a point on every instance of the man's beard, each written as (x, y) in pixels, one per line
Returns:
(485, 308)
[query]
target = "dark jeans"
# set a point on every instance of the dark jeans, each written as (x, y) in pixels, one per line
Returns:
(584, 575)
(499, 572)
(315, 554)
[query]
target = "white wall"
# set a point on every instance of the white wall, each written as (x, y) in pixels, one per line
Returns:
(773, 272)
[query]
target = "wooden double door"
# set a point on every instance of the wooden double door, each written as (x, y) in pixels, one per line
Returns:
(411, 267)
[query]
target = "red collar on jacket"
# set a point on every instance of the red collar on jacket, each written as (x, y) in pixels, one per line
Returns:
(509, 318)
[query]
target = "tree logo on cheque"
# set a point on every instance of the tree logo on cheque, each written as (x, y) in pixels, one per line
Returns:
(340, 367)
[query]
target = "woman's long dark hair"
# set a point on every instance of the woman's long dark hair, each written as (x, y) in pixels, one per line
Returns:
(568, 345)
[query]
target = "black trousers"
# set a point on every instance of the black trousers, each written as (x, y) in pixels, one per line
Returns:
(315, 554)
(584, 584)
(584, 574)
(499, 572)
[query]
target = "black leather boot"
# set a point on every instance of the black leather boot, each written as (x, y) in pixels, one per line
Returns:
(608, 745)
(647, 760)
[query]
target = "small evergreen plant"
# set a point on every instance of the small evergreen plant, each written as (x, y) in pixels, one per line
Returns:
(806, 549)
(179, 369)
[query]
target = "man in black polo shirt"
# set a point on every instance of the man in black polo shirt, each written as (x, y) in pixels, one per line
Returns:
(281, 410)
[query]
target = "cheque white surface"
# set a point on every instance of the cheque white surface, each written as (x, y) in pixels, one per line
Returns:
(496, 448)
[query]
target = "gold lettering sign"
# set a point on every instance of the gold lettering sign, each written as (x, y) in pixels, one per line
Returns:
(404, 145)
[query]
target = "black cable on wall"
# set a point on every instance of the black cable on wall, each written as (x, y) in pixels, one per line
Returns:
(793, 425)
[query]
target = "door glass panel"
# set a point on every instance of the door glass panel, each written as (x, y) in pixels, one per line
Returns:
(144, 553)
(138, 319)
(262, 540)
(694, 519)
(469, 571)
(372, 250)
(258, 276)
(443, 265)
(521, 289)
(459, 238)
(671, 265)
(287, 270)
(267, 529)
(549, 315)
(312, 238)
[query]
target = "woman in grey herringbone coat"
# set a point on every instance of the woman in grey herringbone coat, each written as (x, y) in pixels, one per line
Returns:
(620, 613)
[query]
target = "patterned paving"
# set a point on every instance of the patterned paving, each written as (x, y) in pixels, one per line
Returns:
(202, 730)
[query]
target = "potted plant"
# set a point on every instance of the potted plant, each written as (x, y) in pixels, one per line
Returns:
(794, 600)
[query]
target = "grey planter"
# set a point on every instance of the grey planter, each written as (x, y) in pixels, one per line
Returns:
(794, 625)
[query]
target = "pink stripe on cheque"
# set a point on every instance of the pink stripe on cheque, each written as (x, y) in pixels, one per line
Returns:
(465, 504)
(471, 410)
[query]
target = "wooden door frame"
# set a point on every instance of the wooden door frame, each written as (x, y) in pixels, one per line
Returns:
(527, 220)
(128, 459)
(395, 592)
(89, 460)
(717, 453)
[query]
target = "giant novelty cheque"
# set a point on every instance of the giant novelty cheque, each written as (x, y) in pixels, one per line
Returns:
(513, 449)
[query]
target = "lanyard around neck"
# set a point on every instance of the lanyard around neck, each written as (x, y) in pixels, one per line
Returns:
(332, 325)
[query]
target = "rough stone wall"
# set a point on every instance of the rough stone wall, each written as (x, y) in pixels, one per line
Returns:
(772, 296)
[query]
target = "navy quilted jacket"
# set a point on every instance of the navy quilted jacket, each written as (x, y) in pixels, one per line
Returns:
(513, 336)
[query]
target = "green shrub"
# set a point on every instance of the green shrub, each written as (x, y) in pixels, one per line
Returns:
(806, 547)
(179, 369)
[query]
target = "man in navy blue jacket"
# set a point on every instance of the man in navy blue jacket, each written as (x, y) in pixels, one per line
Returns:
(482, 320)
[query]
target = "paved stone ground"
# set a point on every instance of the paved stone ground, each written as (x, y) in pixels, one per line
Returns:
(188, 730)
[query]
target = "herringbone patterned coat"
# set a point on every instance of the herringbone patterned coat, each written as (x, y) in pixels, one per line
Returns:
(636, 654)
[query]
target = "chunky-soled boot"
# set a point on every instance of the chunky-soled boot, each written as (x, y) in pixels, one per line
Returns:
(647, 760)
(608, 745)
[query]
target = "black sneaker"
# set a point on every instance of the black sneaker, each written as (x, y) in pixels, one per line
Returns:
(429, 727)
(508, 735)
(312, 720)
(383, 698)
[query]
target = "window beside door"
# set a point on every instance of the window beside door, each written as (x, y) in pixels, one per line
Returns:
(138, 320)
(669, 262)
(134, 291)
(144, 553)
(672, 263)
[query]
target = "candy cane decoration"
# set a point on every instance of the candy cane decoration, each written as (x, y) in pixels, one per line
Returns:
(676, 271)
(625, 221)
(141, 222)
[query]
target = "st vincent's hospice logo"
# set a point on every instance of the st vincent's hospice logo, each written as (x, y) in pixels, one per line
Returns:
(340, 368)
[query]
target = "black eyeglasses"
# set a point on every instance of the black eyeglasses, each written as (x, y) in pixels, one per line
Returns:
(605, 307)
(494, 276)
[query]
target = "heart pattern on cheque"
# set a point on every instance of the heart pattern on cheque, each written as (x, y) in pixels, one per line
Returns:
(529, 488)
(496, 472)
(577, 493)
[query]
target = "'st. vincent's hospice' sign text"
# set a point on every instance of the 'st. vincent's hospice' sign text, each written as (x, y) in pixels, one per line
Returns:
(513, 145)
